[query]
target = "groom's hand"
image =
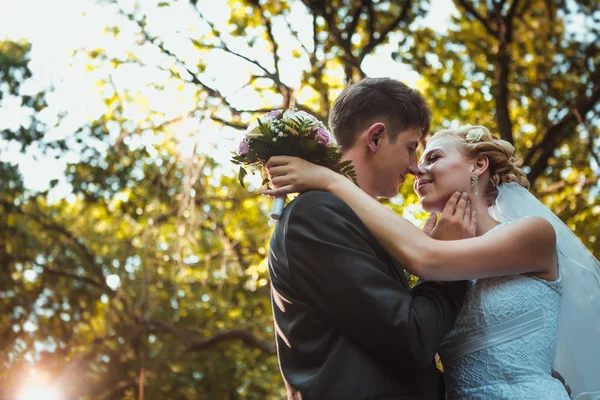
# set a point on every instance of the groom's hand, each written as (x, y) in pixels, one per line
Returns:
(457, 221)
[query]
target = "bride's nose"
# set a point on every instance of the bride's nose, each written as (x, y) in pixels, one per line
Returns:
(421, 170)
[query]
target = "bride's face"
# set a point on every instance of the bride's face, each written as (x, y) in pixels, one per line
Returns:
(443, 170)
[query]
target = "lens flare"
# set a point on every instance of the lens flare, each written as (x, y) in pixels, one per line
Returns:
(37, 388)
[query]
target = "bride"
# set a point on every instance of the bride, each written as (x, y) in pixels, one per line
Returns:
(534, 296)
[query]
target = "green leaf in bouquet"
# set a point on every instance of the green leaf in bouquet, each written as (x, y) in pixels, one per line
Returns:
(264, 129)
(237, 159)
(241, 176)
(310, 144)
(332, 151)
(293, 125)
(265, 181)
(345, 164)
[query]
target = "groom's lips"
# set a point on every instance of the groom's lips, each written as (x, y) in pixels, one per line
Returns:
(421, 183)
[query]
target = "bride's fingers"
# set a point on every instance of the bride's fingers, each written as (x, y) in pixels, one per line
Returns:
(473, 224)
(277, 171)
(430, 223)
(467, 215)
(460, 206)
(451, 205)
(280, 191)
(280, 181)
(278, 161)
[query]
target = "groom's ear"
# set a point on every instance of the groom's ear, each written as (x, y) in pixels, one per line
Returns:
(375, 135)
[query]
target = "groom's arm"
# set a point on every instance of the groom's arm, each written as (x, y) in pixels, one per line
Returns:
(333, 262)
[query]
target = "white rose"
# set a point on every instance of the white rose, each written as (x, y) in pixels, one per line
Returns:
(306, 116)
(475, 135)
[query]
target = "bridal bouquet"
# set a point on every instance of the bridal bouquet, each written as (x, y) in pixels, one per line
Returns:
(288, 133)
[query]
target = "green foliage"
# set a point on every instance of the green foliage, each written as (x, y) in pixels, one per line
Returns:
(527, 73)
(152, 272)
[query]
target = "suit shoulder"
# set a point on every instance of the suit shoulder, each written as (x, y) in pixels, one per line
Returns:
(316, 203)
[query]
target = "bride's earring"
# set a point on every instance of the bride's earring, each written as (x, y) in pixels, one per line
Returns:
(474, 182)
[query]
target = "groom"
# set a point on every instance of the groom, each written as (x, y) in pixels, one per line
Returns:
(347, 324)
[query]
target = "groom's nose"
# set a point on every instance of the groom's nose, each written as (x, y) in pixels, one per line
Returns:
(412, 164)
(413, 169)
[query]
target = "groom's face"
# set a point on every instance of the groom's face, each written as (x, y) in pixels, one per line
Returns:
(395, 160)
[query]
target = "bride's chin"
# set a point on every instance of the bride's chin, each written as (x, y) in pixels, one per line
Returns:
(432, 207)
(426, 207)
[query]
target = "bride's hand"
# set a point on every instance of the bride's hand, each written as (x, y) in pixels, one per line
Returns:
(457, 221)
(293, 174)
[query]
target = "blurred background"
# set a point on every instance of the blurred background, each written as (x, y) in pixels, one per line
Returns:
(132, 262)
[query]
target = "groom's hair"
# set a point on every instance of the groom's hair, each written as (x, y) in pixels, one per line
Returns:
(377, 100)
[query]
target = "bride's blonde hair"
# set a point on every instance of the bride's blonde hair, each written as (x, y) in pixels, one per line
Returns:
(503, 164)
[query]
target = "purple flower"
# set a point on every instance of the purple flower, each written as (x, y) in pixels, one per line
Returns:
(243, 148)
(323, 137)
(274, 114)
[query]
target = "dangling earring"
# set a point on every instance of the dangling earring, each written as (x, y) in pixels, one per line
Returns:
(474, 182)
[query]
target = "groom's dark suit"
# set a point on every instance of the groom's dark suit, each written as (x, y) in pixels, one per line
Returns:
(347, 324)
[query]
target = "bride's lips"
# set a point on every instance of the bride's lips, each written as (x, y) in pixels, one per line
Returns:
(421, 183)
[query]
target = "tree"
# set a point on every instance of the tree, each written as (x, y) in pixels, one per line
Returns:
(522, 69)
(149, 279)
(144, 278)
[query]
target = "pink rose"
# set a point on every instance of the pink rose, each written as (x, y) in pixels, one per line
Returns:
(243, 148)
(274, 114)
(323, 137)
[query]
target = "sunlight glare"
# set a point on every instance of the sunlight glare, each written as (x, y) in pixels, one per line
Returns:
(36, 388)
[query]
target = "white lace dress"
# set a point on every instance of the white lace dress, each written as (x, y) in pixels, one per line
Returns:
(503, 343)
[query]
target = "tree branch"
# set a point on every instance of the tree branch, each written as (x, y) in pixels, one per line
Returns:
(295, 34)
(471, 10)
(354, 21)
(232, 124)
(70, 275)
(321, 8)
(559, 132)
(118, 389)
(386, 31)
(590, 144)
(559, 186)
(267, 22)
(502, 97)
(250, 340)
(155, 325)
(370, 18)
(87, 254)
(513, 9)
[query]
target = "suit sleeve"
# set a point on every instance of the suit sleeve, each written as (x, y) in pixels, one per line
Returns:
(334, 264)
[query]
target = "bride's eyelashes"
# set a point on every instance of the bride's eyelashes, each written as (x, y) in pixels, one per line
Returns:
(431, 159)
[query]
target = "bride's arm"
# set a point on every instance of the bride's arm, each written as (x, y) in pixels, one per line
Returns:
(523, 246)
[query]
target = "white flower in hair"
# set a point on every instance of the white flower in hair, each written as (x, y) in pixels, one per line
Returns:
(475, 135)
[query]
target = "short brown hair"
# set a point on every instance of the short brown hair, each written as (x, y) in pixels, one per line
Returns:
(363, 103)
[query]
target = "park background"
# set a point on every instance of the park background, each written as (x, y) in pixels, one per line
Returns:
(133, 264)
